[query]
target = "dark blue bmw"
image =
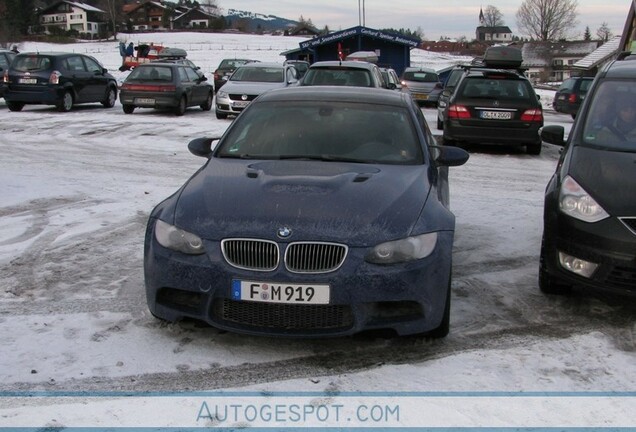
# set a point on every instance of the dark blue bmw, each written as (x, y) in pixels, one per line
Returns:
(322, 211)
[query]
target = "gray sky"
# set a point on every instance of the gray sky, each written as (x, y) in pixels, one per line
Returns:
(452, 18)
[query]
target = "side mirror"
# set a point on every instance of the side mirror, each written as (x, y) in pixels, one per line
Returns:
(450, 155)
(202, 147)
(553, 134)
(391, 86)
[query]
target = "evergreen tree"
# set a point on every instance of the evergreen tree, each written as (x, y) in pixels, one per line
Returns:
(587, 35)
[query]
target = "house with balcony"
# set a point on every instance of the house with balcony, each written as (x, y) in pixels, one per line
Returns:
(149, 15)
(71, 15)
(554, 61)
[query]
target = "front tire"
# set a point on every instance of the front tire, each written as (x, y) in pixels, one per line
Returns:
(207, 105)
(128, 109)
(440, 124)
(66, 104)
(15, 106)
(111, 97)
(444, 327)
(221, 116)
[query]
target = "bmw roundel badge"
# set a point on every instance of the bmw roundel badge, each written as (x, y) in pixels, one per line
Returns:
(284, 232)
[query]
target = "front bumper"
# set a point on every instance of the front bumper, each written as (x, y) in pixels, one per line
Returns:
(227, 106)
(608, 243)
(407, 298)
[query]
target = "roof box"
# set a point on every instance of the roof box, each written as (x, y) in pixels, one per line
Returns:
(503, 57)
(172, 53)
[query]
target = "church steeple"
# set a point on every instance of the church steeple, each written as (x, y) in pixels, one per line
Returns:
(481, 16)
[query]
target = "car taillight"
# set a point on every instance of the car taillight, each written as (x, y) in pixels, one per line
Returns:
(5, 77)
(532, 115)
(458, 112)
(55, 77)
(572, 98)
(149, 88)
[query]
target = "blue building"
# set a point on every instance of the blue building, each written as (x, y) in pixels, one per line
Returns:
(393, 50)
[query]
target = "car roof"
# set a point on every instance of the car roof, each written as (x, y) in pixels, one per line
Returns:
(336, 94)
(344, 63)
(481, 71)
(621, 69)
(159, 63)
(419, 69)
(262, 65)
(51, 54)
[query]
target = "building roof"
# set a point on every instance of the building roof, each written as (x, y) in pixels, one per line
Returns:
(541, 54)
(495, 29)
(86, 7)
(599, 56)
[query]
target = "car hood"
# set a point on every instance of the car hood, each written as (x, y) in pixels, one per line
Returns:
(608, 176)
(250, 87)
(322, 201)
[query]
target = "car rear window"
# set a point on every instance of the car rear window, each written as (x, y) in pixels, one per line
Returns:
(421, 76)
(151, 73)
(31, 63)
(232, 63)
(501, 88)
(338, 76)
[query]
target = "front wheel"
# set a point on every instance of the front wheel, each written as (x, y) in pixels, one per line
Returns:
(66, 103)
(181, 107)
(128, 109)
(207, 105)
(440, 124)
(15, 106)
(111, 97)
(444, 327)
(221, 116)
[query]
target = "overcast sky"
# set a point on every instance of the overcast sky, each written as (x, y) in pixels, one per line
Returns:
(452, 18)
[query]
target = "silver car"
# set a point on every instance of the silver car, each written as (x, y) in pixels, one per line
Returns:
(423, 84)
(249, 81)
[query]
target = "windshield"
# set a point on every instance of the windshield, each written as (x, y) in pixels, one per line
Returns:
(232, 64)
(611, 118)
(327, 131)
(258, 74)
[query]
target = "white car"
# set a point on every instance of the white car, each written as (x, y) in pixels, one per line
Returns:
(249, 81)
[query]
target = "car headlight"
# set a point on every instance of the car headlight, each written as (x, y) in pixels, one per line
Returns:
(171, 237)
(408, 249)
(221, 94)
(576, 202)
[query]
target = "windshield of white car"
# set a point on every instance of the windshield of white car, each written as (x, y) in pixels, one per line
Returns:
(258, 74)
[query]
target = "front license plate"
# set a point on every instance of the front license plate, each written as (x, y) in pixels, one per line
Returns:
(420, 97)
(496, 115)
(274, 292)
(145, 101)
(28, 81)
(240, 104)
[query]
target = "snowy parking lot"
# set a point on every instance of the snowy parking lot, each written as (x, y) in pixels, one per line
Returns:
(77, 189)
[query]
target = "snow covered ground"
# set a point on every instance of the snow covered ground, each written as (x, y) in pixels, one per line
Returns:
(76, 189)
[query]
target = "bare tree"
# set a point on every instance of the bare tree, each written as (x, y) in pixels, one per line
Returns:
(604, 33)
(492, 17)
(547, 19)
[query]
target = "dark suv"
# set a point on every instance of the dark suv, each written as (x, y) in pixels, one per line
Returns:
(225, 69)
(589, 222)
(493, 105)
(60, 79)
(448, 88)
(571, 94)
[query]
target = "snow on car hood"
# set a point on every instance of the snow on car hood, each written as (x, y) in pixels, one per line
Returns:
(323, 201)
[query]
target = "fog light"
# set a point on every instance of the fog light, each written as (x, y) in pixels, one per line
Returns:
(577, 265)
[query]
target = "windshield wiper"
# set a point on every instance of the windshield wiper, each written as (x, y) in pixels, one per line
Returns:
(324, 158)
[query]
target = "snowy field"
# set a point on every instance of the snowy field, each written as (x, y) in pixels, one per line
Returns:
(76, 192)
